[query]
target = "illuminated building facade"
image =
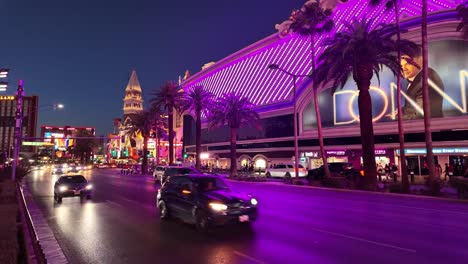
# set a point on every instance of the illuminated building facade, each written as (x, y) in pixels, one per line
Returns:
(8, 121)
(246, 73)
(65, 140)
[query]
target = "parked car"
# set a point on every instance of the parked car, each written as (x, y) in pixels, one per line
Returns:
(204, 200)
(285, 171)
(178, 171)
(70, 186)
(336, 169)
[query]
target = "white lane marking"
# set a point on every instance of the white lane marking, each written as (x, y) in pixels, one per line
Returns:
(363, 240)
(114, 203)
(247, 257)
(128, 200)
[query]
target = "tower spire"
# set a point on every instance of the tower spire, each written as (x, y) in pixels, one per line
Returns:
(133, 102)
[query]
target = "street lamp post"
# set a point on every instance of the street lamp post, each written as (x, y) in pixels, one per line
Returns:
(18, 132)
(296, 144)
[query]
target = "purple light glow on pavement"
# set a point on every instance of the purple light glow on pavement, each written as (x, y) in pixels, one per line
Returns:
(246, 72)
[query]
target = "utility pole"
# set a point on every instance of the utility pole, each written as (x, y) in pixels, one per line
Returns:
(18, 130)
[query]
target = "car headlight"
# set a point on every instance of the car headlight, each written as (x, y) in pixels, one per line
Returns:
(253, 201)
(63, 188)
(218, 206)
(89, 187)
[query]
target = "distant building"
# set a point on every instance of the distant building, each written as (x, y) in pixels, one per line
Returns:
(8, 122)
(132, 105)
(65, 140)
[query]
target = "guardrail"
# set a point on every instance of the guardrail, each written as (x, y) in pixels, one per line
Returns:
(34, 252)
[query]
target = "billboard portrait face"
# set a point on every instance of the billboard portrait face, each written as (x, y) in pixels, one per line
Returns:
(447, 79)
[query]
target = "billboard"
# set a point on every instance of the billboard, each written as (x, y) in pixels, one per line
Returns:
(61, 143)
(448, 80)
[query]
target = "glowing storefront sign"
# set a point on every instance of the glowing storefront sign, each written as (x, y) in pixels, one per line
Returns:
(436, 151)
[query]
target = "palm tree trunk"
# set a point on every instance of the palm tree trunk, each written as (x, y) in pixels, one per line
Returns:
(144, 163)
(425, 87)
(233, 152)
(198, 140)
(367, 135)
(401, 132)
(318, 116)
(158, 141)
(171, 136)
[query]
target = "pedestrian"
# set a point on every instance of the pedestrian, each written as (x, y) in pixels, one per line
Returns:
(450, 171)
(438, 170)
(446, 170)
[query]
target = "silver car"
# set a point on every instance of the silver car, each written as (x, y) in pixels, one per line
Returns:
(285, 171)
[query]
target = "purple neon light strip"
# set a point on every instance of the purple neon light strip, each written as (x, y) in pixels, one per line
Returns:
(281, 61)
(235, 79)
(253, 79)
(260, 90)
(294, 58)
(246, 81)
(224, 82)
(285, 93)
(262, 58)
(267, 92)
(295, 66)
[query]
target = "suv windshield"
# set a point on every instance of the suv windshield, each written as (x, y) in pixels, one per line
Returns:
(208, 184)
(181, 171)
(73, 179)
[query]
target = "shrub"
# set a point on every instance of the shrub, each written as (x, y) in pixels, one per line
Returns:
(395, 187)
(333, 182)
(462, 187)
(434, 186)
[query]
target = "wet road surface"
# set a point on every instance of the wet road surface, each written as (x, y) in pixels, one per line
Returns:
(296, 225)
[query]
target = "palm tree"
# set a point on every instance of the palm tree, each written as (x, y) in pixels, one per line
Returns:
(462, 10)
(141, 125)
(401, 133)
(84, 145)
(426, 99)
(361, 52)
(310, 20)
(197, 101)
(170, 98)
(158, 128)
(235, 112)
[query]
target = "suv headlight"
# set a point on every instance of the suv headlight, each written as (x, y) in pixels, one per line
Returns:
(63, 188)
(218, 206)
(253, 201)
(89, 187)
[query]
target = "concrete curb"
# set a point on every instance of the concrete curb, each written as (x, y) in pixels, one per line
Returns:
(359, 191)
(46, 238)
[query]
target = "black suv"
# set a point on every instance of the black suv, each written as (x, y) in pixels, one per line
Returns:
(204, 200)
(178, 171)
(336, 169)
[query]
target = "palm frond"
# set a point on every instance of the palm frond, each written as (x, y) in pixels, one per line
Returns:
(356, 45)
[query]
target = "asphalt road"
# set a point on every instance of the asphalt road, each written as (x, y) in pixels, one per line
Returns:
(296, 225)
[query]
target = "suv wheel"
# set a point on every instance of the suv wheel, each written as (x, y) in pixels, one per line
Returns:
(201, 221)
(163, 210)
(268, 175)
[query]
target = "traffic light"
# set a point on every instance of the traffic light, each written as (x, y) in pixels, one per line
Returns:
(185, 155)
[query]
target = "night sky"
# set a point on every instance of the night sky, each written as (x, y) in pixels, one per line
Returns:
(80, 53)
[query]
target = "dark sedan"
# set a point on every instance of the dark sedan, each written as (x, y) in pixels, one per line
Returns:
(205, 200)
(70, 186)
